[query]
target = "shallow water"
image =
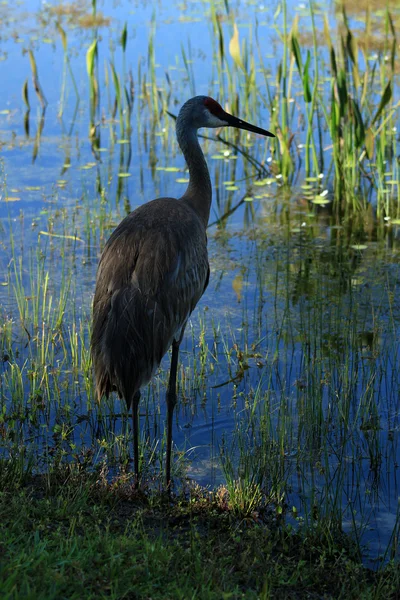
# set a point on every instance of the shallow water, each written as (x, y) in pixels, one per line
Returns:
(293, 349)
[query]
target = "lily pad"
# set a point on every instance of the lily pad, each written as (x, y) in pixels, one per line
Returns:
(320, 200)
(168, 169)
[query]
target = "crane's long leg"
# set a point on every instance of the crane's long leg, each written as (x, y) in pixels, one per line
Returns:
(171, 401)
(135, 429)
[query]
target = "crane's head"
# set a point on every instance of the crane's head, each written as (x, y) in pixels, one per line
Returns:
(203, 111)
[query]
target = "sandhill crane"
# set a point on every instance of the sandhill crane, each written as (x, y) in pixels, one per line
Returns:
(153, 271)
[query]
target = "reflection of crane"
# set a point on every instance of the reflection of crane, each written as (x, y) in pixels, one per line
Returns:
(153, 271)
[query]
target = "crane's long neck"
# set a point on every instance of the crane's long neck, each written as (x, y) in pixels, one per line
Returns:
(199, 192)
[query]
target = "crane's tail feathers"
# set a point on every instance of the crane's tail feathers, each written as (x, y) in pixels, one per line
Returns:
(130, 337)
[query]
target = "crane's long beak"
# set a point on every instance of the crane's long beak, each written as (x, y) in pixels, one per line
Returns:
(239, 124)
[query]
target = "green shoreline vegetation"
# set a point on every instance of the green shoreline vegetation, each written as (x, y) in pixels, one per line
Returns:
(305, 362)
(71, 534)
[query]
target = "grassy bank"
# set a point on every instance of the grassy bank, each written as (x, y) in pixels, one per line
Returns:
(73, 535)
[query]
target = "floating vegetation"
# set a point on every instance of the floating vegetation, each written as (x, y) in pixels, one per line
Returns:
(69, 9)
(92, 21)
(78, 14)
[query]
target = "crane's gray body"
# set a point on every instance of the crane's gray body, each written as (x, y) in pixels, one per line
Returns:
(153, 271)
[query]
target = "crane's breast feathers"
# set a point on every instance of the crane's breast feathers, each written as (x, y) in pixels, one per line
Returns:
(152, 277)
